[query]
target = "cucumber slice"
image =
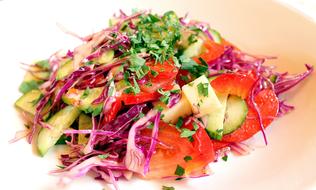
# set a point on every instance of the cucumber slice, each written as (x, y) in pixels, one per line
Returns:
(236, 112)
(215, 120)
(59, 122)
(66, 69)
(83, 99)
(194, 49)
(106, 57)
(85, 122)
(28, 101)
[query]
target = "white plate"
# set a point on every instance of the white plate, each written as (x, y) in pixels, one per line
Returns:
(28, 31)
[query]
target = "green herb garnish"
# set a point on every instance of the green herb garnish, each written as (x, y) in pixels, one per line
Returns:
(179, 171)
(187, 158)
(203, 89)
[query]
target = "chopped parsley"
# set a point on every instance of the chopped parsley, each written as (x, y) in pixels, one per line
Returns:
(186, 133)
(203, 89)
(132, 89)
(179, 171)
(217, 135)
(150, 126)
(176, 91)
(95, 111)
(192, 38)
(137, 65)
(191, 66)
(159, 108)
(103, 156)
(165, 96)
(187, 158)
(225, 158)
(179, 122)
(167, 188)
(61, 167)
(136, 87)
(154, 73)
(184, 78)
(195, 126)
(89, 63)
(156, 35)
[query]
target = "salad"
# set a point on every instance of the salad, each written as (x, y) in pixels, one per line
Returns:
(154, 96)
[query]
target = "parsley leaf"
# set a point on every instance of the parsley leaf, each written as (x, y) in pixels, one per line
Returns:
(150, 126)
(103, 156)
(165, 96)
(203, 89)
(154, 73)
(191, 66)
(159, 108)
(187, 158)
(61, 167)
(225, 158)
(184, 78)
(186, 133)
(192, 38)
(167, 188)
(138, 66)
(179, 123)
(136, 87)
(217, 135)
(195, 126)
(156, 35)
(132, 89)
(179, 171)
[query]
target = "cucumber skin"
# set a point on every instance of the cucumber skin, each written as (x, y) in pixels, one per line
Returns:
(59, 122)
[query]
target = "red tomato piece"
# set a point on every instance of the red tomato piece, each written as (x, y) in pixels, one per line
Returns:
(161, 75)
(266, 100)
(166, 158)
(115, 108)
(219, 145)
(268, 105)
(235, 84)
(212, 51)
(130, 99)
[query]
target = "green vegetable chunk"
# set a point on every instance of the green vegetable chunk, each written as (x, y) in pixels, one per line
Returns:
(62, 120)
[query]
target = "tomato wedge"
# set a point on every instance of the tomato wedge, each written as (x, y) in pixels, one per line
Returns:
(161, 75)
(115, 108)
(266, 100)
(212, 51)
(268, 105)
(131, 99)
(166, 158)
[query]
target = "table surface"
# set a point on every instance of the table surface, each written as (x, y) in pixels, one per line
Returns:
(308, 7)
